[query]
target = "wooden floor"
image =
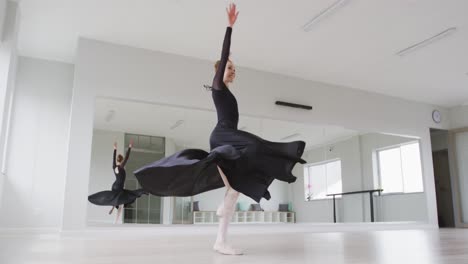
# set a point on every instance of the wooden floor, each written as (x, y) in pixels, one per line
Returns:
(266, 244)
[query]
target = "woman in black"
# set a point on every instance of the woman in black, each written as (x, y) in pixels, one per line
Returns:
(238, 160)
(118, 196)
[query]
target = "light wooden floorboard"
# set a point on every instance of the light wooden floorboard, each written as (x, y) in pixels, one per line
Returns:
(291, 244)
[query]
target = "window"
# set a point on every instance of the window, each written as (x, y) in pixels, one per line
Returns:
(321, 179)
(400, 169)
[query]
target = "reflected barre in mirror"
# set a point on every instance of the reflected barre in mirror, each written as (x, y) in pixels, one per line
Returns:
(339, 160)
(371, 200)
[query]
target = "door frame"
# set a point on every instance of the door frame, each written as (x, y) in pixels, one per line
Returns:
(454, 177)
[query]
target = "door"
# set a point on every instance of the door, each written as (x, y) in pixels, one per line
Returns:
(443, 188)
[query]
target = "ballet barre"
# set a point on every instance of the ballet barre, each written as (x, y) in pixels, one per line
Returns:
(371, 200)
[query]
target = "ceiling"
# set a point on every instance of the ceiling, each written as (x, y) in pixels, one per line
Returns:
(354, 46)
(196, 125)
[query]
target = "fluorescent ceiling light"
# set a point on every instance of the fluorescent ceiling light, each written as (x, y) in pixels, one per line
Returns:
(291, 136)
(426, 42)
(308, 26)
(177, 123)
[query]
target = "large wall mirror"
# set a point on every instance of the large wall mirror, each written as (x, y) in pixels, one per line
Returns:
(350, 176)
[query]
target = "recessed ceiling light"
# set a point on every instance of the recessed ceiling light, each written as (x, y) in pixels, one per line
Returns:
(177, 123)
(426, 42)
(327, 11)
(290, 136)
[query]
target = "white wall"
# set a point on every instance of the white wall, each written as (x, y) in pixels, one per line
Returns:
(8, 67)
(101, 176)
(3, 9)
(35, 176)
(79, 147)
(109, 70)
(401, 207)
(458, 117)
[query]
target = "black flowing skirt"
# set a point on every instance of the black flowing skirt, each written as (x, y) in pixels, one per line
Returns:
(249, 162)
(116, 197)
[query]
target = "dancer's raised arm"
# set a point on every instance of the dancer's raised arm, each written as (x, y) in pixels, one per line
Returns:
(221, 66)
(113, 157)
(127, 155)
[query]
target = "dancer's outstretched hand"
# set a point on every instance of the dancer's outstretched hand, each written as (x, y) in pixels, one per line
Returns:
(232, 14)
(115, 145)
(131, 143)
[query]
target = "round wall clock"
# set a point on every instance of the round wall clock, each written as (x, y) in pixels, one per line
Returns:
(436, 116)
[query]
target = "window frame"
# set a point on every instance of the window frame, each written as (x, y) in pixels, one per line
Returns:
(378, 170)
(308, 165)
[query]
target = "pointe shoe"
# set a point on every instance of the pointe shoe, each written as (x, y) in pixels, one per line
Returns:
(225, 249)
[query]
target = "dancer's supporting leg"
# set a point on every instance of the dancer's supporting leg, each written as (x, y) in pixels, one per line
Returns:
(228, 209)
(119, 212)
(219, 211)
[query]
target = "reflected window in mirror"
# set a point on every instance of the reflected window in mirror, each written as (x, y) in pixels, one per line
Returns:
(321, 179)
(399, 168)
